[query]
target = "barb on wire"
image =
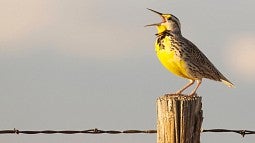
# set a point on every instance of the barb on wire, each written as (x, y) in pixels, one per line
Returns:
(97, 131)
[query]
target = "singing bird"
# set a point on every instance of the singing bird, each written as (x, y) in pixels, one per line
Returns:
(180, 56)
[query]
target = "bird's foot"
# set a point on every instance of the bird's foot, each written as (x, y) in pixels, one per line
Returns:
(193, 94)
(178, 92)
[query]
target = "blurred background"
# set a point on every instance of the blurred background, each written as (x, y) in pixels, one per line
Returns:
(91, 64)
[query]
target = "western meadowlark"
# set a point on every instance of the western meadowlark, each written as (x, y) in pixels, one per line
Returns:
(182, 57)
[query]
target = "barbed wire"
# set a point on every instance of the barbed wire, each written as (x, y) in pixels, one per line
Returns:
(90, 131)
(241, 132)
(97, 131)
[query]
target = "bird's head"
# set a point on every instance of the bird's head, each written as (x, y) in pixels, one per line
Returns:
(169, 22)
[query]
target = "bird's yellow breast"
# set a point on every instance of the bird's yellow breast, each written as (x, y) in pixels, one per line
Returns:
(170, 59)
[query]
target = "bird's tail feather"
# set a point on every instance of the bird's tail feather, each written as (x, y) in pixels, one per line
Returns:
(228, 83)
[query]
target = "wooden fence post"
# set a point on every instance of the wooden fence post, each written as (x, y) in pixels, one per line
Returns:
(179, 119)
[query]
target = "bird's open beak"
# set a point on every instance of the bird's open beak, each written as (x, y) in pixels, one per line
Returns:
(160, 14)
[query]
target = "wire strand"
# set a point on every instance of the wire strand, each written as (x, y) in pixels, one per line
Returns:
(98, 131)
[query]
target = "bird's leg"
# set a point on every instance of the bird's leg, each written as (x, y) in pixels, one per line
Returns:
(185, 87)
(194, 91)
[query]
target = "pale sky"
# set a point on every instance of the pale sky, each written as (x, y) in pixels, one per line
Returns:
(91, 64)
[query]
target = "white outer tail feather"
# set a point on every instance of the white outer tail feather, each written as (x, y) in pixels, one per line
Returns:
(228, 83)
